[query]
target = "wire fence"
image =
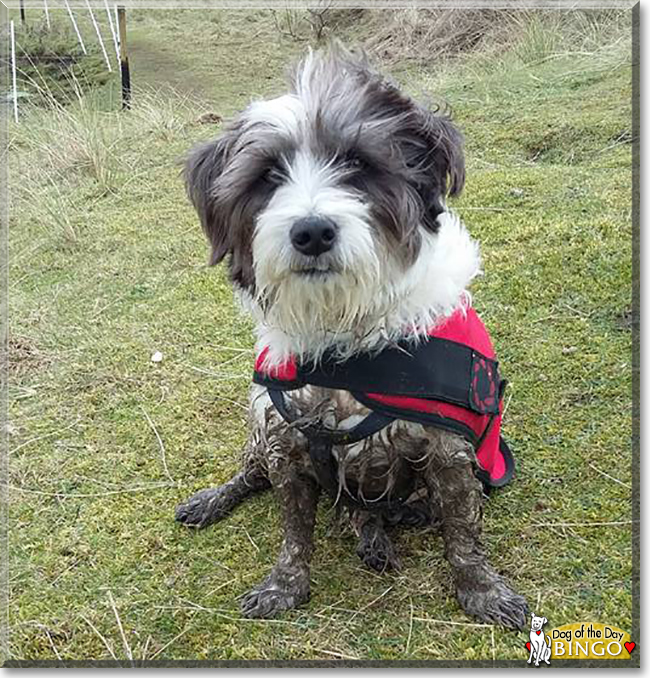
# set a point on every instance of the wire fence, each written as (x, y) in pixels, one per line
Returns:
(108, 34)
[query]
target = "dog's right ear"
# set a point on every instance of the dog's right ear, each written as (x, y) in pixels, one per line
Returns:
(203, 167)
(444, 159)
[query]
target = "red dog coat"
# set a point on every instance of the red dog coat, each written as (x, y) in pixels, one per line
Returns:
(449, 381)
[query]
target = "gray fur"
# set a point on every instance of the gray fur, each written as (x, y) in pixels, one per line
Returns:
(402, 157)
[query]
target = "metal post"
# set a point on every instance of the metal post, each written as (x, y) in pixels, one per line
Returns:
(13, 70)
(22, 12)
(47, 15)
(113, 31)
(99, 36)
(76, 28)
(124, 59)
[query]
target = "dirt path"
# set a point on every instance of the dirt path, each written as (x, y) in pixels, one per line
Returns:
(155, 64)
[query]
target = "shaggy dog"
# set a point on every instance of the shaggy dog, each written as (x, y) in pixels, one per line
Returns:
(329, 205)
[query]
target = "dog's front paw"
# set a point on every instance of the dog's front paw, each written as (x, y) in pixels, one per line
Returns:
(273, 596)
(205, 507)
(377, 551)
(489, 598)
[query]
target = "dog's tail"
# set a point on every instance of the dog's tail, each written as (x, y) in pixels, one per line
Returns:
(548, 641)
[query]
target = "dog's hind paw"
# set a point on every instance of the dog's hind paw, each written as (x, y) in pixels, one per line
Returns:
(269, 598)
(204, 508)
(415, 514)
(493, 602)
(377, 551)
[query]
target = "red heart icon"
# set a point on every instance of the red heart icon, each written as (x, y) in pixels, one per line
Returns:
(629, 647)
(528, 646)
(538, 632)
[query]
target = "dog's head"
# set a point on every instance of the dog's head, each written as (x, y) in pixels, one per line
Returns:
(329, 203)
(536, 623)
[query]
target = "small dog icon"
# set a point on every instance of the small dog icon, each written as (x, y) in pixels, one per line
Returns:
(540, 644)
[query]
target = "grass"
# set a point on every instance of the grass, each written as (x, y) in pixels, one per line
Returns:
(107, 267)
(51, 61)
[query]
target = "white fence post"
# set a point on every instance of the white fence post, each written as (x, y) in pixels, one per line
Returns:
(47, 15)
(99, 36)
(13, 70)
(76, 28)
(113, 30)
(117, 32)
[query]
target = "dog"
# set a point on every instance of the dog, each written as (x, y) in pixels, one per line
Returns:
(329, 206)
(540, 644)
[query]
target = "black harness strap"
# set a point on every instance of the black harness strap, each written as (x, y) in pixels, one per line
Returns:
(438, 369)
(321, 439)
(373, 423)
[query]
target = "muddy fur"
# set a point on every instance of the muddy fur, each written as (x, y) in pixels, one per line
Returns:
(437, 466)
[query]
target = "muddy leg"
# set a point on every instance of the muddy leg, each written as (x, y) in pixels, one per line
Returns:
(209, 506)
(287, 586)
(481, 591)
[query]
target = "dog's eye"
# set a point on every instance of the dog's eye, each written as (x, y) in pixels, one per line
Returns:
(275, 175)
(355, 162)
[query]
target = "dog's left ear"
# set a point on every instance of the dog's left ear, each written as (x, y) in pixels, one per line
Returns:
(443, 164)
(545, 620)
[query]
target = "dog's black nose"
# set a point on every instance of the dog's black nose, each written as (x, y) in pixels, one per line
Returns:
(313, 235)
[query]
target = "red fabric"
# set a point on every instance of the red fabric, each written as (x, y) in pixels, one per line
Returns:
(464, 327)
(287, 371)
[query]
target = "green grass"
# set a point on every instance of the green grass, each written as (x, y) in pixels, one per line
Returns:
(106, 269)
(50, 62)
